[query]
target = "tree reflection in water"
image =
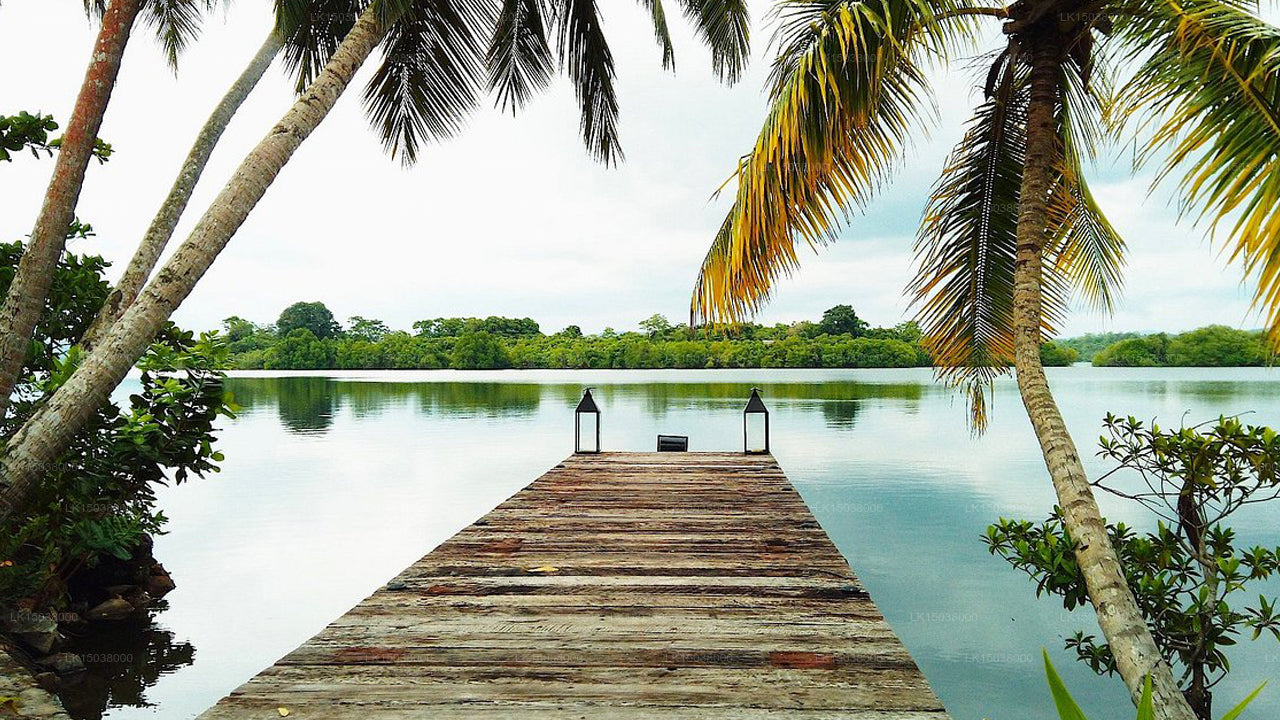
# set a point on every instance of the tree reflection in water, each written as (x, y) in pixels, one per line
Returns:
(122, 660)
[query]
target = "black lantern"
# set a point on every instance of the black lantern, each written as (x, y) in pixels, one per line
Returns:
(755, 425)
(586, 425)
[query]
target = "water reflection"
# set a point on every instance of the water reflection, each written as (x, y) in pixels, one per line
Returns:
(122, 660)
(369, 471)
(307, 405)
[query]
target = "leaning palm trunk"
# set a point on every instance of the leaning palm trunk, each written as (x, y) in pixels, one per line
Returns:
(25, 300)
(49, 430)
(1135, 651)
(166, 219)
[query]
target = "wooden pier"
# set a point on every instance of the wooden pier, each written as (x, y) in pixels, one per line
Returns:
(621, 586)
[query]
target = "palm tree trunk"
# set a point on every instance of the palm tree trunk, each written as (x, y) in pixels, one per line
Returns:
(24, 302)
(166, 219)
(51, 428)
(1136, 654)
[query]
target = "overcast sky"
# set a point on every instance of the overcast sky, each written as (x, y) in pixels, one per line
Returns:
(512, 217)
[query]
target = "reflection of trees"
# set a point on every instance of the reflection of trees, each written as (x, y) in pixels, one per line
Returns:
(304, 404)
(307, 404)
(839, 402)
(123, 659)
(488, 398)
(841, 414)
(660, 398)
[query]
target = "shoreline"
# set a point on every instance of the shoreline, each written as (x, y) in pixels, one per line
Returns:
(18, 683)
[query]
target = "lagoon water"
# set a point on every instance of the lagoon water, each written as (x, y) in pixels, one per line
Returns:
(334, 482)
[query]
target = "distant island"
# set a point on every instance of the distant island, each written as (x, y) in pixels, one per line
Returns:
(1210, 346)
(307, 336)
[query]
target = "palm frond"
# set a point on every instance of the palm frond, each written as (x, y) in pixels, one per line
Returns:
(1085, 250)
(847, 97)
(1207, 97)
(966, 251)
(585, 55)
(725, 28)
(432, 73)
(312, 31)
(661, 32)
(94, 9)
(937, 29)
(520, 60)
(176, 24)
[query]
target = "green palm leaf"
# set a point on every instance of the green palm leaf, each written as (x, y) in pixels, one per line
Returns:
(967, 247)
(1086, 251)
(520, 59)
(724, 26)
(661, 32)
(1207, 92)
(585, 55)
(432, 73)
(176, 24)
(312, 31)
(966, 251)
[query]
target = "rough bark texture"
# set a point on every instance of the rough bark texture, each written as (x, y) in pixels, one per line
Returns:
(48, 431)
(1118, 616)
(30, 288)
(166, 219)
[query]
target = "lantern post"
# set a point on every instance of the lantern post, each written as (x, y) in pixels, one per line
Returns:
(586, 425)
(755, 425)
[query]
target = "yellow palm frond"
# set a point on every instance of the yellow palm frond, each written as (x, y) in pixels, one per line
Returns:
(1207, 96)
(848, 94)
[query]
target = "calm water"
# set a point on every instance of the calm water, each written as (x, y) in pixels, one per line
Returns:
(334, 483)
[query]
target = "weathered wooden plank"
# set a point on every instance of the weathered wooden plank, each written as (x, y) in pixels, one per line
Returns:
(615, 587)
(340, 709)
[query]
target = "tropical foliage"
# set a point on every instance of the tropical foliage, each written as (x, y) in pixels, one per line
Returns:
(1091, 344)
(439, 60)
(1194, 583)
(25, 131)
(848, 92)
(99, 498)
(1211, 346)
(498, 342)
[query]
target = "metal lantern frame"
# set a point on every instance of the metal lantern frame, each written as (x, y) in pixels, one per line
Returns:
(586, 406)
(755, 406)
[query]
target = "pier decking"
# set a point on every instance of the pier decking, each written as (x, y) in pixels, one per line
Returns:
(621, 586)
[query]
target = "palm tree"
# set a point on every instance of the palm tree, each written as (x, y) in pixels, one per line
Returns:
(439, 57)
(307, 31)
(1012, 232)
(166, 219)
(175, 23)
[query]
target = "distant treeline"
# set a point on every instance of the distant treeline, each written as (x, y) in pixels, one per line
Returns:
(1210, 346)
(306, 336)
